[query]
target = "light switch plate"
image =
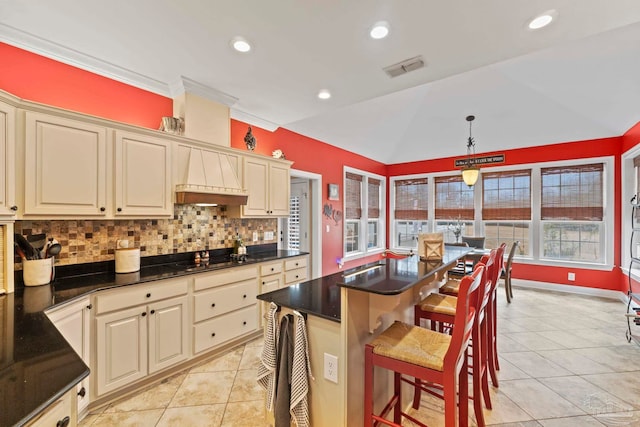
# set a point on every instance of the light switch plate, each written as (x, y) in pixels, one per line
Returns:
(268, 235)
(255, 236)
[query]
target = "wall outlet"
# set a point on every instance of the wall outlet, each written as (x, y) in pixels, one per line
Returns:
(331, 367)
(268, 235)
(571, 277)
(255, 236)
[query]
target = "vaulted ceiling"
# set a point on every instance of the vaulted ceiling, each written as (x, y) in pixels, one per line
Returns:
(576, 79)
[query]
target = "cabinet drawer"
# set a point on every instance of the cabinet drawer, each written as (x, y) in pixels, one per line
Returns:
(140, 294)
(55, 413)
(220, 329)
(270, 283)
(295, 276)
(271, 268)
(232, 275)
(295, 263)
(223, 299)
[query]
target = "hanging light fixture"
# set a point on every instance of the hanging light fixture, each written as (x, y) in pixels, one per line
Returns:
(470, 172)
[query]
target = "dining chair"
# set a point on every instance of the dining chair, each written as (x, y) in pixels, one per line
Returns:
(474, 242)
(506, 272)
(462, 267)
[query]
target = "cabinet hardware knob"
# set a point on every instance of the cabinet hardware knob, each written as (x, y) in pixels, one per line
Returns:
(82, 392)
(296, 264)
(264, 283)
(244, 323)
(153, 311)
(144, 314)
(297, 276)
(149, 295)
(213, 305)
(63, 422)
(272, 268)
(14, 208)
(213, 334)
(90, 306)
(119, 209)
(102, 209)
(244, 296)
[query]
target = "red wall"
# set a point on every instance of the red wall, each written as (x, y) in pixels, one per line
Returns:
(36, 78)
(33, 77)
(311, 155)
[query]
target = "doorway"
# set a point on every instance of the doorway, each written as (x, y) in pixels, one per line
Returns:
(302, 229)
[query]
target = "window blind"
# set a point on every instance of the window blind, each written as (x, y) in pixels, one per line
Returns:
(506, 195)
(453, 198)
(411, 199)
(373, 198)
(353, 196)
(572, 193)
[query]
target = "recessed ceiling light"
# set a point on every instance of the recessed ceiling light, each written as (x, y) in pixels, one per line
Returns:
(379, 30)
(542, 20)
(324, 94)
(240, 44)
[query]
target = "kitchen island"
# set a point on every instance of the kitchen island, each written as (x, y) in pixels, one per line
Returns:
(346, 310)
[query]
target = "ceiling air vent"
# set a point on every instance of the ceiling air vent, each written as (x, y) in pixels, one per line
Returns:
(404, 67)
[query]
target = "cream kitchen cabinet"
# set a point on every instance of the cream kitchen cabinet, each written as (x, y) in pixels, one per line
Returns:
(267, 182)
(65, 168)
(224, 306)
(140, 330)
(142, 175)
(60, 413)
(7, 159)
(296, 270)
(72, 320)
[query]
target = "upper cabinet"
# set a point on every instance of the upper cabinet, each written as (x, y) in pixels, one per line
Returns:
(143, 175)
(7, 146)
(267, 182)
(65, 168)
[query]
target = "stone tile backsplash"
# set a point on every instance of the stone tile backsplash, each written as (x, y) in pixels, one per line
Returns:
(191, 228)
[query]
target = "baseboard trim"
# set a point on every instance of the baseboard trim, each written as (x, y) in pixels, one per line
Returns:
(580, 290)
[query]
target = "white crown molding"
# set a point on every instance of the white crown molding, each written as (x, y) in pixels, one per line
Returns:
(253, 120)
(80, 60)
(185, 84)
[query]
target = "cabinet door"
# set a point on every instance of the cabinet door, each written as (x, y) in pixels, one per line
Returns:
(121, 346)
(279, 188)
(256, 182)
(65, 166)
(168, 333)
(7, 159)
(143, 175)
(72, 320)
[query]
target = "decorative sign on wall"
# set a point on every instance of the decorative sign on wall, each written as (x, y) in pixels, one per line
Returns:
(329, 212)
(485, 160)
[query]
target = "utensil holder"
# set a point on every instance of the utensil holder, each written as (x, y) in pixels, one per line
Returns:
(37, 272)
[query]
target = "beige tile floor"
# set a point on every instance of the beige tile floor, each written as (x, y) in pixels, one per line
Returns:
(564, 362)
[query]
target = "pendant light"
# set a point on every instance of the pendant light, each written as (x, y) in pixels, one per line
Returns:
(470, 172)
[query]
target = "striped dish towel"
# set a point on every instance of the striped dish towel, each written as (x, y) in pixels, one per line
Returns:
(267, 369)
(300, 374)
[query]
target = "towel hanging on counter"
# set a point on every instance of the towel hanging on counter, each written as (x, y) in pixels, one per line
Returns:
(283, 373)
(299, 379)
(267, 369)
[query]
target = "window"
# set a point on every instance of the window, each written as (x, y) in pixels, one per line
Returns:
(293, 229)
(571, 212)
(410, 211)
(453, 205)
(364, 228)
(506, 208)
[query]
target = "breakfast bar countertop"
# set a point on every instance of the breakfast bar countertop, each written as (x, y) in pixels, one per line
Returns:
(321, 297)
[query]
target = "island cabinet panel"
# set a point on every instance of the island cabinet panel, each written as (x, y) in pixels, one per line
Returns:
(56, 182)
(59, 413)
(224, 306)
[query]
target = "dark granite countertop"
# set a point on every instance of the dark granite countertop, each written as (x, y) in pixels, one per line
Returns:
(37, 365)
(321, 297)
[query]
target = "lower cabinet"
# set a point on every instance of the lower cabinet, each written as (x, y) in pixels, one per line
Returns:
(133, 342)
(61, 413)
(73, 322)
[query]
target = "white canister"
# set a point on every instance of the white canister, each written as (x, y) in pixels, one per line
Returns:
(36, 272)
(127, 260)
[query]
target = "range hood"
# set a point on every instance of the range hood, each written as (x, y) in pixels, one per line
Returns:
(208, 178)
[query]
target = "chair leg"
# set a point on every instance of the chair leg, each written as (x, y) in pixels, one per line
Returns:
(368, 387)
(510, 287)
(450, 393)
(507, 291)
(463, 400)
(478, 369)
(397, 387)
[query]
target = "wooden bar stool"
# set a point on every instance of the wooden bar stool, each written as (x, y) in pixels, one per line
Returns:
(432, 357)
(440, 309)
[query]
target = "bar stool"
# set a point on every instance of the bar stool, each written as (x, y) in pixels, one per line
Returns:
(440, 309)
(412, 351)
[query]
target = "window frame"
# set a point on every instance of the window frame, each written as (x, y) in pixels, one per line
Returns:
(363, 223)
(394, 223)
